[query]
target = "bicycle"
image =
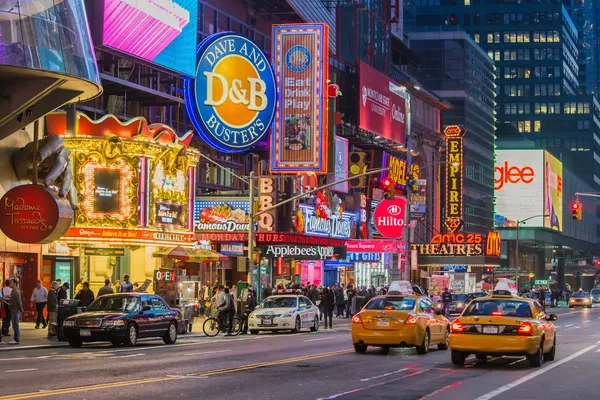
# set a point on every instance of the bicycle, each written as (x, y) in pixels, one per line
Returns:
(213, 326)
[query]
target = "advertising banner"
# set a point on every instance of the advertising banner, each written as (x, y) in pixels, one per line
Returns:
(375, 246)
(553, 192)
(418, 201)
(221, 215)
(382, 104)
(339, 226)
(341, 164)
(519, 184)
(160, 31)
(389, 217)
(300, 58)
(454, 177)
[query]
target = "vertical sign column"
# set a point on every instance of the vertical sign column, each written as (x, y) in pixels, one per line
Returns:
(267, 195)
(454, 177)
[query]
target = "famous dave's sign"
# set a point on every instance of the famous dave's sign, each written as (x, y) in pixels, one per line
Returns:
(231, 101)
(389, 217)
(34, 214)
(222, 215)
(454, 177)
(381, 104)
(300, 57)
(339, 225)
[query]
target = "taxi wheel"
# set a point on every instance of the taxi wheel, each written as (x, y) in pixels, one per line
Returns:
(360, 348)
(424, 347)
(552, 354)
(444, 344)
(536, 360)
(297, 326)
(315, 327)
(458, 357)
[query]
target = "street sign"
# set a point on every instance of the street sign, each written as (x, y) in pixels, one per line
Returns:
(542, 282)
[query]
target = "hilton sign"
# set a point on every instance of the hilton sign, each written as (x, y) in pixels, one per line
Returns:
(389, 217)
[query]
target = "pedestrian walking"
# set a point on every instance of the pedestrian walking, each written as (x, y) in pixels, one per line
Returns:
(351, 304)
(250, 306)
(52, 309)
(15, 305)
(126, 285)
(85, 295)
(106, 289)
(339, 302)
(327, 306)
(4, 296)
(446, 300)
(39, 297)
(63, 291)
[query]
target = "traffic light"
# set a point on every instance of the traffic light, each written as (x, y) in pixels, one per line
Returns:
(577, 210)
(597, 262)
(357, 166)
(389, 188)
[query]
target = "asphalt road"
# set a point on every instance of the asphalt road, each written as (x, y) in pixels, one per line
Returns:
(319, 365)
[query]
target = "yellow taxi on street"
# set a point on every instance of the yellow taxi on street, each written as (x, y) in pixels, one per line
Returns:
(504, 325)
(396, 320)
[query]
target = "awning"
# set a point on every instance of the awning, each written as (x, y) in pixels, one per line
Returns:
(190, 255)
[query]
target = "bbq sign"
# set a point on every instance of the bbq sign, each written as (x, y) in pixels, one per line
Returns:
(231, 101)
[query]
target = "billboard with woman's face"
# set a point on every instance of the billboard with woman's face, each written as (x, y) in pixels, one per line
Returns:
(553, 192)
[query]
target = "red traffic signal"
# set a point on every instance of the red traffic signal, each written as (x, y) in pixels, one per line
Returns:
(597, 263)
(387, 184)
(389, 188)
(577, 210)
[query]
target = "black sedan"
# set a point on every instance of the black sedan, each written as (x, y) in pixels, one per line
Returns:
(122, 319)
(459, 302)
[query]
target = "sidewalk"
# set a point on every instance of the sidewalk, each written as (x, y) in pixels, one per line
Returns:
(32, 338)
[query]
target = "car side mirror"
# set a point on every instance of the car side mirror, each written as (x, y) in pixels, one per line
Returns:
(146, 308)
(551, 317)
(438, 312)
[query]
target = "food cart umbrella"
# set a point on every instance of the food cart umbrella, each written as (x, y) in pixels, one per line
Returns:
(190, 255)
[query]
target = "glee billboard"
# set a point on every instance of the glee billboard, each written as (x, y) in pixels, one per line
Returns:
(381, 105)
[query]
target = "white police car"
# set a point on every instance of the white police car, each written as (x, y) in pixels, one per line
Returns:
(284, 310)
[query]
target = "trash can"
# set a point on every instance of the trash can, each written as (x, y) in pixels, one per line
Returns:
(66, 308)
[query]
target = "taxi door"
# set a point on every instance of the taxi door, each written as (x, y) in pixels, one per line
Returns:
(427, 311)
(549, 329)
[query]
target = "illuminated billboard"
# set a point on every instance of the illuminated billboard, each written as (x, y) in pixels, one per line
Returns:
(519, 184)
(553, 192)
(300, 58)
(159, 31)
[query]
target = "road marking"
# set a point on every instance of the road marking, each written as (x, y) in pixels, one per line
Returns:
(436, 392)
(384, 375)
(14, 359)
(129, 355)
(526, 378)
(207, 352)
(335, 396)
(589, 320)
(557, 326)
(566, 326)
(77, 389)
(598, 351)
(22, 370)
(577, 327)
(318, 340)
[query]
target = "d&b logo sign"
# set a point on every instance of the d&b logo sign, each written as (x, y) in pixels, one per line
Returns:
(231, 101)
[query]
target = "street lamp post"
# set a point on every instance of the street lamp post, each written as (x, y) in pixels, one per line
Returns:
(519, 223)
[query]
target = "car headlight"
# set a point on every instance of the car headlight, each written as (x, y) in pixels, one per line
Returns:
(287, 315)
(69, 323)
(460, 305)
(115, 322)
(586, 300)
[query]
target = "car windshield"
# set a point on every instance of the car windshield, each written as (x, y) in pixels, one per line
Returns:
(115, 303)
(596, 292)
(459, 297)
(396, 304)
(509, 308)
(280, 302)
(478, 294)
(581, 294)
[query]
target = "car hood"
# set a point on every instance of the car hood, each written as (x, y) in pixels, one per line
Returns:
(99, 314)
(268, 311)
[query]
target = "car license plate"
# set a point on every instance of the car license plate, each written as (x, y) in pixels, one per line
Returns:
(384, 323)
(85, 332)
(490, 329)
(267, 322)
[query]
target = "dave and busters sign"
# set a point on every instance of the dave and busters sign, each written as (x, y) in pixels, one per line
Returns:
(231, 100)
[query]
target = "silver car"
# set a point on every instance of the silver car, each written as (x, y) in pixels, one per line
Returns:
(595, 293)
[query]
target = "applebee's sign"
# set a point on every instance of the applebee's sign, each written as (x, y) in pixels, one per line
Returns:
(336, 227)
(389, 217)
(299, 252)
(34, 214)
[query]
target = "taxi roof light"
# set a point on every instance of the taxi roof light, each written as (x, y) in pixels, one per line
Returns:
(457, 326)
(357, 319)
(525, 329)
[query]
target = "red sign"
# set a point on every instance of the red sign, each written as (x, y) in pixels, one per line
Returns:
(375, 246)
(382, 105)
(222, 236)
(34, 214)
(271, 238)
(389, 217)
(132, 235)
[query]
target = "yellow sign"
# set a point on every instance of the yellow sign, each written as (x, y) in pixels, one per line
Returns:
(454, 177)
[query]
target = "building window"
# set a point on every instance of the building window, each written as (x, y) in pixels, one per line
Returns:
(476, 37)
(570, 107)
(467, 2)
(537, 126)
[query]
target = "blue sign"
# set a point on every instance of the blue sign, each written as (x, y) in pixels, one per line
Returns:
(233, 249)
(335, 227)
(231, 101)
(364, 257)
(455, 268)
(297, 58)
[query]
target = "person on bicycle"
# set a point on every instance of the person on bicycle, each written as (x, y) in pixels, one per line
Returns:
(446, 300)
(227, 311)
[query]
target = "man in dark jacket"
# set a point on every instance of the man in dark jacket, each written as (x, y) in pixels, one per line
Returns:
(250, 306)
(52, 309)
(446, 300)
(351, 295)
(63, 292)
(327, 306)
(85, 295)
(339, 302)
(106, 289)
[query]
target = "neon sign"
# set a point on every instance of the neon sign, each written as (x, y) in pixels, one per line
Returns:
(454, 177)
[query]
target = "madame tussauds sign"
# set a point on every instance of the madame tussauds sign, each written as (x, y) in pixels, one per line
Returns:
(34, 214)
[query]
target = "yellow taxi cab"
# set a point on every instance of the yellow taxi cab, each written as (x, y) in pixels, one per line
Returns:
(504, 325)
(396, 320)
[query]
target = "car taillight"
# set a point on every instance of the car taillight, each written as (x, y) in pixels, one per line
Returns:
(525, 329)
(357, 319)
(457, 327)
(412, 320)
